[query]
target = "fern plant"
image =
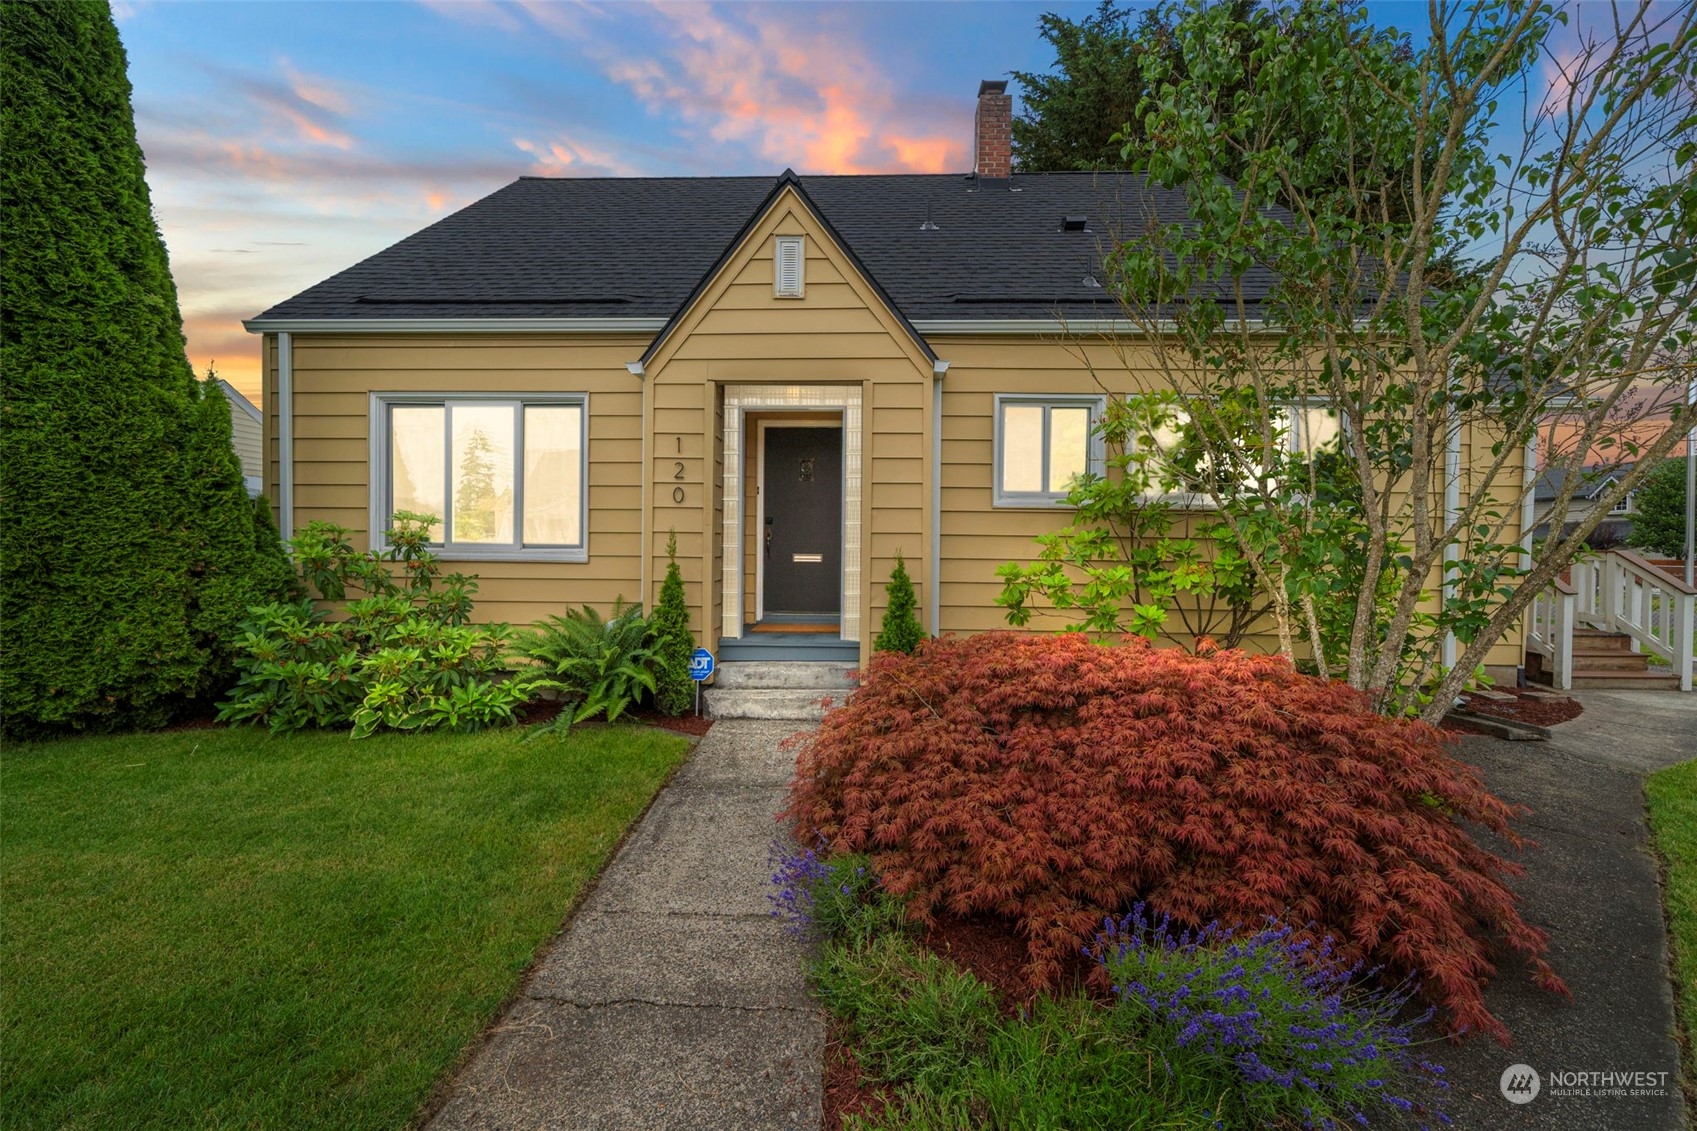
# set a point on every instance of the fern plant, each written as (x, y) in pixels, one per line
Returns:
(601, 665)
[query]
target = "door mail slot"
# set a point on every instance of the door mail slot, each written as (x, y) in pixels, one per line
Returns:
(812, 559)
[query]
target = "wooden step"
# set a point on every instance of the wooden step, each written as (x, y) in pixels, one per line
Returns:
(1608, 660)
(1595, 639)
(1655, 679)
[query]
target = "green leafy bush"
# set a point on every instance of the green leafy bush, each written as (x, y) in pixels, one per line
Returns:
(901, 631)
(601, 665)
(400, 658)
(673, 642)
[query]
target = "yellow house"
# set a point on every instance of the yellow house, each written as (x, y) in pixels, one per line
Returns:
(802, 378)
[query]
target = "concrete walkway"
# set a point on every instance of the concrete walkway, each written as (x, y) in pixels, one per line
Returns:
(673, 1000)
(1592, 885)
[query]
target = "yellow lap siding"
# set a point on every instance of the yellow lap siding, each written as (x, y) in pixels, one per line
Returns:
(335, 375)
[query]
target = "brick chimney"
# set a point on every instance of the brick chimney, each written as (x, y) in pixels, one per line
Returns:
(992, 133)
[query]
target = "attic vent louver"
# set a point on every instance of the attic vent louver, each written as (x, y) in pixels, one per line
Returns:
(1075, 223)
(787, 261)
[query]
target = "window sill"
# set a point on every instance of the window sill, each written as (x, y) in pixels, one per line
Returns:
(1003, 504)
(463, 554)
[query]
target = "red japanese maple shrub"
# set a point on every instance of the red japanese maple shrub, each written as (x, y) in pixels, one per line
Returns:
(1053, 781)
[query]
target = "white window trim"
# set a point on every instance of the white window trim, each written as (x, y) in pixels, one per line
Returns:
(1198, 501)
(779, 244)
(380, 502)
(1044, 500)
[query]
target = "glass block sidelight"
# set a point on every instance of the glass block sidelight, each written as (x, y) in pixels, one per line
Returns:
(741, 399)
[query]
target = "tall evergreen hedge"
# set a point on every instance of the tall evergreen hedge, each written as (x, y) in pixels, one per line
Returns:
(124, 552)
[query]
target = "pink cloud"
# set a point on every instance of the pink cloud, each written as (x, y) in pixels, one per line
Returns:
(316, 90)
(311, 107)
(563, 157)
(795, 93)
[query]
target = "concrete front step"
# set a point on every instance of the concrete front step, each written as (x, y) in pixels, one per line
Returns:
(771, 703)
(777, 675)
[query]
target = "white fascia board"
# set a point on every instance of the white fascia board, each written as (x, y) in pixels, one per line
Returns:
(944, 327)
(929, 326)
(454, 325)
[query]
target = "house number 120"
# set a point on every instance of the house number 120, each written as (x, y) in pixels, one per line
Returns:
(678, 492)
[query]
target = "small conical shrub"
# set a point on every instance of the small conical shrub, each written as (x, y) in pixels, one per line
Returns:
(674, 690)
(901, 631)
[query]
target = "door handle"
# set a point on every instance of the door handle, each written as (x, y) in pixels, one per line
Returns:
(768, 541)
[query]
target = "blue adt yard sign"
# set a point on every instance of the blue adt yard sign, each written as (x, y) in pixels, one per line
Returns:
(700, 667)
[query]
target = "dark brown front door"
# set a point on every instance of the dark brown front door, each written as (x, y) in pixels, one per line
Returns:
(803, 539)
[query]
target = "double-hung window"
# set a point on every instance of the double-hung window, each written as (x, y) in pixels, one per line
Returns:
(1042, 445)
(505, 475)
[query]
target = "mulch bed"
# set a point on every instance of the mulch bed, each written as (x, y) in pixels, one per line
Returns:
(696, 725)
(992, 950)
(847, 1092)
(1539, 710)
(538, 712)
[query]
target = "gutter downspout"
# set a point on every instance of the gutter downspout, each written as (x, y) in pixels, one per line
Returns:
(636, 369)
(934, 591)
(1528, 519)
(1690, 487)
(1452, 510)
(285, 436)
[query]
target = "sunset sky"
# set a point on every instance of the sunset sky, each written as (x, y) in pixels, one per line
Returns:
(286, 141)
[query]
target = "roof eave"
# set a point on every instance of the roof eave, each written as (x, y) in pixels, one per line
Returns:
(270, 325)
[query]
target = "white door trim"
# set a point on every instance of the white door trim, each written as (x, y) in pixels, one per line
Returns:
(741, 399)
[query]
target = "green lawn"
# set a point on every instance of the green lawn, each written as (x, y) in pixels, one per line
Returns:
(1673, 818)
(218, 928)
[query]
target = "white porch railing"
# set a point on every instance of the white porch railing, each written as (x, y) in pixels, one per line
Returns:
(1617, 591)
(1549, 631)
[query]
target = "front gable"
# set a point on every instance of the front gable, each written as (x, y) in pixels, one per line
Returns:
(737, 325)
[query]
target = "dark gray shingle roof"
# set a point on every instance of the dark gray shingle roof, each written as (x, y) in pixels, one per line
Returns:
(637, 247)
(1591, 483)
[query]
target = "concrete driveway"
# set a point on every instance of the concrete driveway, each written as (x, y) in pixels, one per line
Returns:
(1592, 885)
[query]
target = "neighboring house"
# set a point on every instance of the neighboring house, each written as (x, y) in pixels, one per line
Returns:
(1615, 528)
(247, 430)
(801, 376)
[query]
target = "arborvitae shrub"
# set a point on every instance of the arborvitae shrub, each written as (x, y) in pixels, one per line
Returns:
(236, 560)
(901, 631)
(673, 642)
(106, 535)
(1052, 781)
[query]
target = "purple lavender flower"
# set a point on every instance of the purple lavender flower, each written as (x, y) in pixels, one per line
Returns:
(795, 872)
(1278, 1013)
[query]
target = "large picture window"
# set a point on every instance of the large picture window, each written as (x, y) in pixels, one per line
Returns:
(1042, 445)
(504, 475)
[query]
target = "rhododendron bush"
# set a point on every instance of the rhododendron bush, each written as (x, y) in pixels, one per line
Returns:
(1052, 781)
